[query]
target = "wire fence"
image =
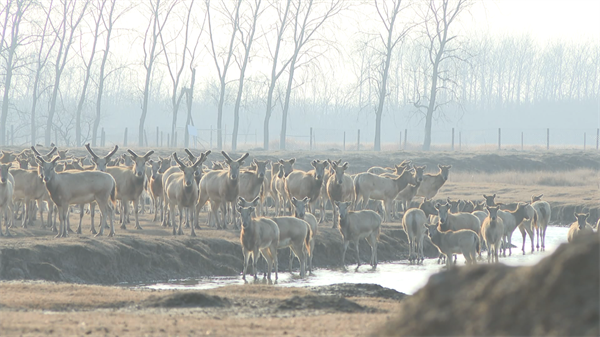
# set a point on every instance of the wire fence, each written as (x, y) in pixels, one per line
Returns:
(328, 139)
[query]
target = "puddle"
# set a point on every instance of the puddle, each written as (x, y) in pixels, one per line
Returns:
(400, 275)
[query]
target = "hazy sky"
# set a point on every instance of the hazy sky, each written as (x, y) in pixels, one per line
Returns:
(543, 19)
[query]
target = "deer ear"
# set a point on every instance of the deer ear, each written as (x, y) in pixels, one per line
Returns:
(305, 199)
(294, 199)
(292, 161)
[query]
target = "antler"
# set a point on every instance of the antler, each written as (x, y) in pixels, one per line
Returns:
(177, 160)
(89, 149)
(243, 157)
(111, 153)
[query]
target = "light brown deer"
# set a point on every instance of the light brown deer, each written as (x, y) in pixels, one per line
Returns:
(414, 223)
(221, 187)
(544, 213)
(580, 227)
(7, 183)
(258, 235)
(300, 213)
(358, 225)
(181, 191)
(464, 241)
(340, 187)
(79, 188)
(302, 184)
(130, 184)
(370, 186)
(492, 231)
(432, 183)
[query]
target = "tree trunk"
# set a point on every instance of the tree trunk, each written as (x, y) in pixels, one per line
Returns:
(7, 82)
(189, 100)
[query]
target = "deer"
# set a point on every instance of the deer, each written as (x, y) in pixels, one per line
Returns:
(302, 184)
(181, 190)
(580, 227)
(463, 241)
(295, 234)
(130, 184)
(221, 187)
(252, 181)
(432, 183)
(155, 185)
(340, 187)
(544, 212)
(511, 220)
(414, 223)
(370, 186)
(7, 183)
(258, 235)
(357, 225)
(81, 187)
(300, 213)
(492, 231)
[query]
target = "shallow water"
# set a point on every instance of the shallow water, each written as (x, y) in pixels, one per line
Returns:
(399, 275)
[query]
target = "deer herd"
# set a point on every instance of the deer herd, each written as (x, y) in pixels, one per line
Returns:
(242, 196)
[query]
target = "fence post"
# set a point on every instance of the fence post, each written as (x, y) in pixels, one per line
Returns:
(125, 138)
(146, 137)
(405, 138)
(162, 134)
(255, 138)
(344, 144)
(311, 138)
(168, 140)
(55, 137)
(358, 141)
(157, 135)
(499, 139)
(548, 139)
(211, 137)
(452, 146)
(597, 138)
(459, 140)
(175, 141)
(521, 140)
(12, 135)
(400, 141)
(584, 140)
(102, 138)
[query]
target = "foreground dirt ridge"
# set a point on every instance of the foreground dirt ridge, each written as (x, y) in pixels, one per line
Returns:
(34, 308)
(559, 296)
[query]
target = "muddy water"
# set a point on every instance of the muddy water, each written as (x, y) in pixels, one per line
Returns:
(400, 275)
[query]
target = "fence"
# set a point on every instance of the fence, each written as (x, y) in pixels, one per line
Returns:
(324, 139)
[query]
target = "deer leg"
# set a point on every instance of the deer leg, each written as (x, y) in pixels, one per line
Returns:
(124, 210)
(346, 243)
(357, 255)
(135, 211)
(92, 213)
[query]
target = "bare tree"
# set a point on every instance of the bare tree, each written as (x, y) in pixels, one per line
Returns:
(151, 36)
(88, 68)
(14, 19)
(226, 62)
(440, 15)
(189, 92)
(40, 63)
(109, 23)
(65, 31)
(246, 41)
(388, 16)
(175, 67)
(306, 24)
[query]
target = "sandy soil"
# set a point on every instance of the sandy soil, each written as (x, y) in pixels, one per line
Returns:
(40, 308)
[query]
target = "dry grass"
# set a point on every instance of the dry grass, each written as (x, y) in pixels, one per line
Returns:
(579, 177)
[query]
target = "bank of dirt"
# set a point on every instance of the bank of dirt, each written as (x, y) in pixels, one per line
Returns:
(559, 296)
(140, 257)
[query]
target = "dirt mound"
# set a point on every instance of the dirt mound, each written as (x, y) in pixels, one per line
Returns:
(322, 303)
(186, 300)
(559, 296)
(359, 290)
